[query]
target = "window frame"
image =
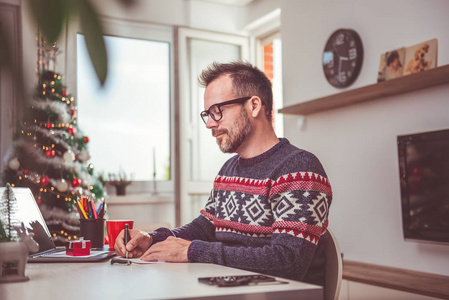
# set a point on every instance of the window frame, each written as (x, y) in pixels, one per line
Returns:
(261, 43)
(135, 30)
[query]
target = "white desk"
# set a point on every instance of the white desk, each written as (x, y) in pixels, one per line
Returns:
(149, 281)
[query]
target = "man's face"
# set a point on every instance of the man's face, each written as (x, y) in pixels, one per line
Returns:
(232, 130)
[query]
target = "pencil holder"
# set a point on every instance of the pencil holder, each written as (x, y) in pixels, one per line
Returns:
(93, 230)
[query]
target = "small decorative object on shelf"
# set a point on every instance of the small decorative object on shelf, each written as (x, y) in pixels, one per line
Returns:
(120, 181)
(408, 60)
(421, 57)
(391, 64)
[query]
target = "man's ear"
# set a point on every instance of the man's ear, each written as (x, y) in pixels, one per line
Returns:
(256, 106)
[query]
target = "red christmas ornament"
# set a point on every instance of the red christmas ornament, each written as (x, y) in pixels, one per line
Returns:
(25, 172)
(76, 182)
(45, 181)
(86, 139)
(64, 93)
(72, 112)
(51, 153)
(39, 201)
(48, 125)
(71, 130)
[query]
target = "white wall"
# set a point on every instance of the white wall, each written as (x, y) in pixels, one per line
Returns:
(357, 144)
(189, 13)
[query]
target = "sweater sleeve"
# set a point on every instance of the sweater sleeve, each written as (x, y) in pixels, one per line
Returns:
(201, 228)
(299, 203)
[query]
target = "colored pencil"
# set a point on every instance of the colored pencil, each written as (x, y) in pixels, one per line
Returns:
(93, 209)
(82, 210)
(89, 208)
(77, 207)
(99, 209)
(102, 211)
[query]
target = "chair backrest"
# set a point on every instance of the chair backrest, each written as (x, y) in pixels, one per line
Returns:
(334, 268)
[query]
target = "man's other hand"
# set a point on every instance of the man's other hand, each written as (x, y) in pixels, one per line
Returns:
(171, 250)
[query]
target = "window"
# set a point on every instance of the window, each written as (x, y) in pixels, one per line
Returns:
(129, 117)
(130, 120)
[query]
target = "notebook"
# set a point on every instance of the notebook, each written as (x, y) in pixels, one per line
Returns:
(28, 212)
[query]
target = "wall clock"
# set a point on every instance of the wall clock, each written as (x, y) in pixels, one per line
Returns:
(342, 57)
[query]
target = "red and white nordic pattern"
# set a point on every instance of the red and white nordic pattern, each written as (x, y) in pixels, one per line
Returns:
(302, 196)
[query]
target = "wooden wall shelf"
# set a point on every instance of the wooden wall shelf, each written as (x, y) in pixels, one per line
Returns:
(428, 284)
(402, 85)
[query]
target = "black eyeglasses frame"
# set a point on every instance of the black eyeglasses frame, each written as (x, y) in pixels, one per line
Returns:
(206, 113)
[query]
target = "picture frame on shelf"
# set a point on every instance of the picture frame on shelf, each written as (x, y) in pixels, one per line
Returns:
(421, 57)
(391, 64)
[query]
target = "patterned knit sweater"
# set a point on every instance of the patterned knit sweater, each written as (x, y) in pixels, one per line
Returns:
(266, 214)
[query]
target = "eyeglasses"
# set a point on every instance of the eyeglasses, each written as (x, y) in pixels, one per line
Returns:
(215, 110)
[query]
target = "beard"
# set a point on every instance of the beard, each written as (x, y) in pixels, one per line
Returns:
(232, 139)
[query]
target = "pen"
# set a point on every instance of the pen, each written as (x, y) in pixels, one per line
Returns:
(120, 261)
(126, 237)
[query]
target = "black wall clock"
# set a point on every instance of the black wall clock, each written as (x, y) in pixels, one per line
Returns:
(342, 57)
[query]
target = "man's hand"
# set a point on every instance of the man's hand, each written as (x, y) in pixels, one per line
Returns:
(171, 250)
(139, 243)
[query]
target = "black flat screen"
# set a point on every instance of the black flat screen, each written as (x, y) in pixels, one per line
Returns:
(424, 178)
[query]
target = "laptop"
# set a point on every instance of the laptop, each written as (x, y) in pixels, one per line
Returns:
(28, 212)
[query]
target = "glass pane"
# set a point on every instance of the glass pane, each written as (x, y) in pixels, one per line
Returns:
(128, 120)
(206, 158)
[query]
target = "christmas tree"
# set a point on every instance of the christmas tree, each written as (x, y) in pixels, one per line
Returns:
(8, 207)
(49, 154)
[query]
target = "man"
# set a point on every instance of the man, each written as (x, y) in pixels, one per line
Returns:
(269, 204)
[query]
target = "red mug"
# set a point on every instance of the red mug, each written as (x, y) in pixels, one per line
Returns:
(114, 227)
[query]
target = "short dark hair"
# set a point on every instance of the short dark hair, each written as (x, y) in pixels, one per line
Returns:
(247, 80)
